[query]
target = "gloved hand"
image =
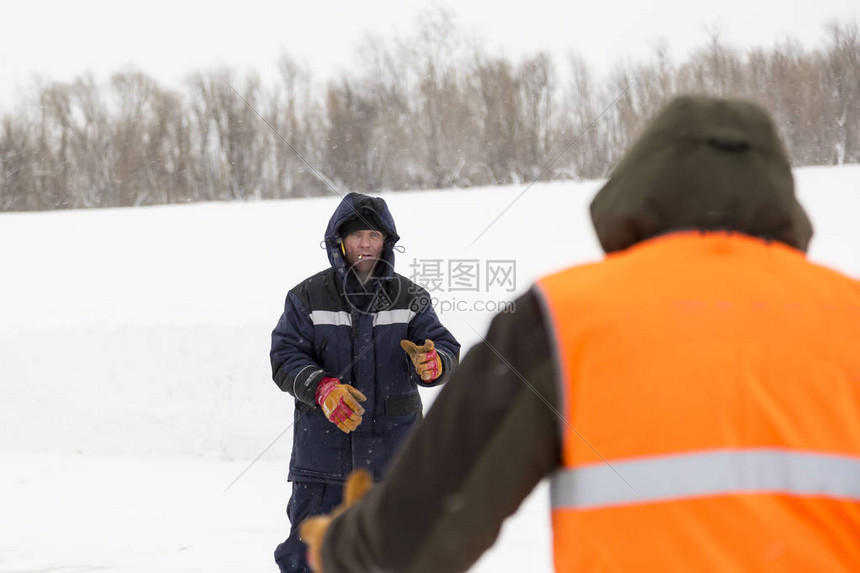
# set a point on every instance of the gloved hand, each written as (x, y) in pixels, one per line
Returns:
(313, 529)
(340, 403)
(427, 363)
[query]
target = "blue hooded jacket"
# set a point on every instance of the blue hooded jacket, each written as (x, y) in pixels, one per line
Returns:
(335, 325)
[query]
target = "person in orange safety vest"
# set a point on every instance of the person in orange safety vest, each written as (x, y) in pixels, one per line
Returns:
(694, 397)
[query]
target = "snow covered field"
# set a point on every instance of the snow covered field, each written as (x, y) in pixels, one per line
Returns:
(134, 375)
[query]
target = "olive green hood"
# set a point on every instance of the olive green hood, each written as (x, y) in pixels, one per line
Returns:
(703, 163)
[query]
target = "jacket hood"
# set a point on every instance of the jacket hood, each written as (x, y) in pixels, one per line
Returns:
(374, 212)
(702, 163)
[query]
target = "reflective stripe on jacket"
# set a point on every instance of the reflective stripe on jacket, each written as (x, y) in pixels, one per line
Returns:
(710, 391)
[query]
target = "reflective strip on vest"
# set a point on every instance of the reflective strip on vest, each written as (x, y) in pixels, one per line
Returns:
(719, 472)
(399, 316)
(330, 317)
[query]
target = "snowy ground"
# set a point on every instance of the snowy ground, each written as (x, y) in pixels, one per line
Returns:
(134, 377)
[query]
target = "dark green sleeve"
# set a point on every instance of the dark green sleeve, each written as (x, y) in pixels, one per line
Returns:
(488, 440)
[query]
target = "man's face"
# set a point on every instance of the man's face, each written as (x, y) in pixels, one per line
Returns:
(363, 249)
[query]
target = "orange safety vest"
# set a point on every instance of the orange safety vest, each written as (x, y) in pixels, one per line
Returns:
(710, 396)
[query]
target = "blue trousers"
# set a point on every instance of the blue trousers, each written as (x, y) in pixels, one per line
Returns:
(308, 498)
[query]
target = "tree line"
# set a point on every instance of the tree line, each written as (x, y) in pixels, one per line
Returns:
(429, 110)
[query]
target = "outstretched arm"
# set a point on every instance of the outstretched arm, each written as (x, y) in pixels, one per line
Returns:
(489, 438)
(427, 326)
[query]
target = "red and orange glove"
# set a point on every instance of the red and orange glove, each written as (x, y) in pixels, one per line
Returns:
(340, 403)
(313, 529)
(426, 360)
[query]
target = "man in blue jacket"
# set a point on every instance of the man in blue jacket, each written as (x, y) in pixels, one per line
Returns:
(352, 346)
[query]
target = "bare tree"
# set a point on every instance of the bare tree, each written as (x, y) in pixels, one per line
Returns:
(500, 98)
(17, 164)
(536, 79)
(843, 59)
(229, 134)
(298, 117)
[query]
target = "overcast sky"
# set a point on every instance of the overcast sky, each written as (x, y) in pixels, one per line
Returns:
(61, 39)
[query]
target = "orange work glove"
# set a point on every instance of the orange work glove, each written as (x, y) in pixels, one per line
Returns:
(340, 403)
(427, 363)
(313, 529)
